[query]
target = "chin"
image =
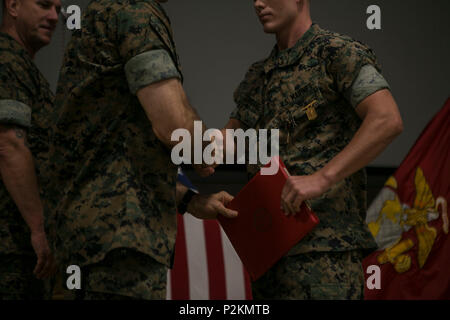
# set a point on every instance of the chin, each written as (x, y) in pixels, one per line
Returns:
(40, 42)
(44, 40)
(269, 28)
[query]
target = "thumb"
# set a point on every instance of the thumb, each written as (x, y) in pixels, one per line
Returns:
(227, 213)
(225, 197)
(39, 265)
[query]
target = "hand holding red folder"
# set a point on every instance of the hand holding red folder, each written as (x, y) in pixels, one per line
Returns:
(262, 234)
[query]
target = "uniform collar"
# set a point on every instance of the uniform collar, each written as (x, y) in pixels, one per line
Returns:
(291, 55)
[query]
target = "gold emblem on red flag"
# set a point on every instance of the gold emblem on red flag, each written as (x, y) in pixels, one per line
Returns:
(425, 209)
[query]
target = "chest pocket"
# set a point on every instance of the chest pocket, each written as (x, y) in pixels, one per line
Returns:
(302, 111)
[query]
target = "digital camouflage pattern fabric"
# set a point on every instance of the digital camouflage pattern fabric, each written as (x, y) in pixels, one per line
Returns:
(313, 276)
(124, 274)
(308, 92)
(114, 181)
(17, 281)
(25, 101)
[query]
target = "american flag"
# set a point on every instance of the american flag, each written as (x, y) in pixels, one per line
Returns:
(206, 266)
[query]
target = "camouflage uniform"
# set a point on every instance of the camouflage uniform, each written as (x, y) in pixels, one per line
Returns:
(114, 181)
(25, 101)
(331, 74)
(124, 268)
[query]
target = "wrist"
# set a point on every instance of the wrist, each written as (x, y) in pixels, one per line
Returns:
(183, 207)
(327, 177)
(35, 220)
(37, 230)
(191, 207)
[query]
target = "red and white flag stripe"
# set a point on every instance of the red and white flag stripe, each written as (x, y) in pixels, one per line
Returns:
(206, 265)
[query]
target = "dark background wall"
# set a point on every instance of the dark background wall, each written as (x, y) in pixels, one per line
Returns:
(218, 40)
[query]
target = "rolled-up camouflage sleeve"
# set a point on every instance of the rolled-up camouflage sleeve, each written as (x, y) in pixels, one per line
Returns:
(147, 57)
(14, 98)
(150, 67)
(248, 99)
(15, 112)
(367, 83)
(346, 63)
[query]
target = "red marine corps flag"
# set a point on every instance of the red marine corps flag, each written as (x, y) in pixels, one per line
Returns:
(409, 220)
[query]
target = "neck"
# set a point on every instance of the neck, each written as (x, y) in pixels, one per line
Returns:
(13, 33)
(289, 36)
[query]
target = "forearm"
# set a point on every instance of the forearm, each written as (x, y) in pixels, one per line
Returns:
(377, 131)
(233, 124)
(168, 109)
(18, 175)
(183, 116)
(229, 145)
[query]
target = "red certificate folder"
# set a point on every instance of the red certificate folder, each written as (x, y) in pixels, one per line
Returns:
(262, 234)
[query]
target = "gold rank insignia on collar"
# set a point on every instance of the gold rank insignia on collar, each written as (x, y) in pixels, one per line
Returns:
(311, 110)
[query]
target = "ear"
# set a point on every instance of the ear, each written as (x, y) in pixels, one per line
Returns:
(13, 7)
